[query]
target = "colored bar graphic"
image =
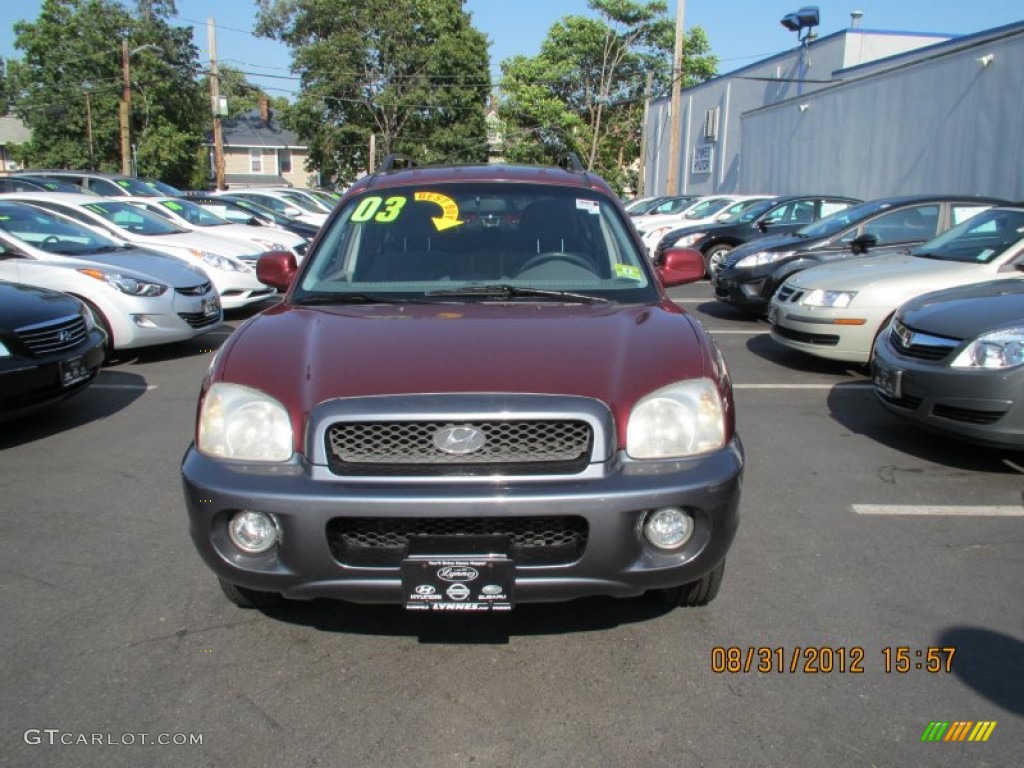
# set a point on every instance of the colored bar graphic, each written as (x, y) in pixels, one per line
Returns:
(958, 730)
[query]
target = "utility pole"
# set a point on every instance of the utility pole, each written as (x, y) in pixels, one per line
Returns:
(126, 107)
(218, 136)
(672, 178)
(642, 180)
(371, 163)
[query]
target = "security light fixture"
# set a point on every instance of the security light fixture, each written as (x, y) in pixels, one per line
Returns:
(805, 18)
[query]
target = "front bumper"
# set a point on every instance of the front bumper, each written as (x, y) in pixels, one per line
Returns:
(822, 332)
(981, 406)
(742, 289)
(615, 560)
(27, 384)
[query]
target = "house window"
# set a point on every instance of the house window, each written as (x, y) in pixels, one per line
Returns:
(284, 160)
(255, 161)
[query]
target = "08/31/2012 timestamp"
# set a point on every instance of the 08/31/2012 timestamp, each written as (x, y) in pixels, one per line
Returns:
(823, 659)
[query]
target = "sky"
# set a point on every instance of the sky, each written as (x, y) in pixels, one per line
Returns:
(740, 32)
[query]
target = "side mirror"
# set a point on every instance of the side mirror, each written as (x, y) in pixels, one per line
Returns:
(863, 243)
(680, 266)
(277, 269)
(292, 213)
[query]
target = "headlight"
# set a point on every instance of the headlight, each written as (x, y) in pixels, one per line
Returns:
(682, 419)
(761, 258)
(656, 233)
(687, 240)
(217, 261)
(130, 285)
(819, 297)
(4, 351)
(998, 349)
(239, 422)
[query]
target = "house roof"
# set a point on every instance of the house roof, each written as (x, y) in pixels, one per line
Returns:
(249, 130)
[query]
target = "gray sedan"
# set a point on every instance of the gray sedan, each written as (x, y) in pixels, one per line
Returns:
(953, 361)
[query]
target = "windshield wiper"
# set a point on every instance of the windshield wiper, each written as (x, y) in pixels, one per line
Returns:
(349, 298)
(505, 291)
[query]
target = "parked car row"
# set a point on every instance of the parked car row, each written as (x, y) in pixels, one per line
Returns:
(926, 291)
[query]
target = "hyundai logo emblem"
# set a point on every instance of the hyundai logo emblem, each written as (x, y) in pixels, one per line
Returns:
(459, 440)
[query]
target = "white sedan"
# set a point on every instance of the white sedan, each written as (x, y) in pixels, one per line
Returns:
(288, 205)
(702, 211)
(187, 214)
(231, 265)
(836, 311)
(139, 298)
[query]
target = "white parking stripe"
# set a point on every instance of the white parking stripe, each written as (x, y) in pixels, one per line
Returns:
(123, 386)
(937, 510)
(836, 385)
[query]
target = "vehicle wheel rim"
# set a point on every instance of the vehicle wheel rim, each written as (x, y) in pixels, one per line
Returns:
(715, 259)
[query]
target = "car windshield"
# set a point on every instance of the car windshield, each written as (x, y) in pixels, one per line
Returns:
(133, 219)
(52, 232)
(538, 243)
(137, 187)
(979, 240)
(302, 202)
(840, 220)
(752, 212)
(193, 214)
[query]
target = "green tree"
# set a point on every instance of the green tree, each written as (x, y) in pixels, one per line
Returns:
(411, 73)
(69, 83)
(584, 91)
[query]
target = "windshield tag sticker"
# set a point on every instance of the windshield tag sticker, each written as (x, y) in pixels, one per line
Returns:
(628, 271)
(590, 206)
(174, 206)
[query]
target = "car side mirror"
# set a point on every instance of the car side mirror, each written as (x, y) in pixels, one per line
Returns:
(680, 266)
(292, 213)
(277, 269)
(863, 243)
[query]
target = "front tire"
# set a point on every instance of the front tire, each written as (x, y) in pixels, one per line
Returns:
(714, 258)
(696, 593)
(249, 598)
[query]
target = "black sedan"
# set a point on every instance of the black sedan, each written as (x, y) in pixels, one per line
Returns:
(953, 361)
(776, 216)
(751, 273)
(50, 348)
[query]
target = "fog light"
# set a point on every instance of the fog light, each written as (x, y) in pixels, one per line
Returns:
(143, 321)
(668, 528)
(253, 532)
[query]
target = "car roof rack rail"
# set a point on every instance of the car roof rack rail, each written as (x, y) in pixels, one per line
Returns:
(395, 161)
(570, 161)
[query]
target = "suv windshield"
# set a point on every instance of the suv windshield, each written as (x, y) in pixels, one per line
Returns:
(978, 240)
(533, 242)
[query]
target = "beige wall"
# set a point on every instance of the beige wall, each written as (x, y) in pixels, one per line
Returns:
(237, 161)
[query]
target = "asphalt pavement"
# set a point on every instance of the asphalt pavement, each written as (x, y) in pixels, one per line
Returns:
(873, 594)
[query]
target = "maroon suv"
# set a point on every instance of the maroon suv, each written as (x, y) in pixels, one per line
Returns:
(459, 418)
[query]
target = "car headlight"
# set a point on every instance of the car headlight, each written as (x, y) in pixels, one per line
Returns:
(130, 285)
(819, 297)
(687, 240)
(682, 419)
(4, 351)
(217, 261)
(761, 258)
(656, 233)
(997, 349)
(237, 422)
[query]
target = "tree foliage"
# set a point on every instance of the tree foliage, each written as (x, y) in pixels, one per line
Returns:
(68, 85)
(241, 95)
(412, 73)
(584, 91)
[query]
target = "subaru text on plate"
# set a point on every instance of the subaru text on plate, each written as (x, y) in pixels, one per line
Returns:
(457, 418)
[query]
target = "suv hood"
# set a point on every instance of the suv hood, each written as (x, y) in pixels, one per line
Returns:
(614, 354)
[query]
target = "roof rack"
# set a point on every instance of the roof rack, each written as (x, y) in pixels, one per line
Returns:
(571, 162)
(395, 161)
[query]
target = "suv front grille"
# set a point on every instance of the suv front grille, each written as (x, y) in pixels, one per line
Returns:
(513, 447)
(384, 541)
(54, 336)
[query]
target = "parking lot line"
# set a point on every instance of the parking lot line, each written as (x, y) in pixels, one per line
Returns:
(937, 510)
(833, 385)
(123, 386)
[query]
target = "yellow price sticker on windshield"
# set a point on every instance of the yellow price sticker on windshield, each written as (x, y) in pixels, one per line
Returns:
(449, 210)
(628, 271)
